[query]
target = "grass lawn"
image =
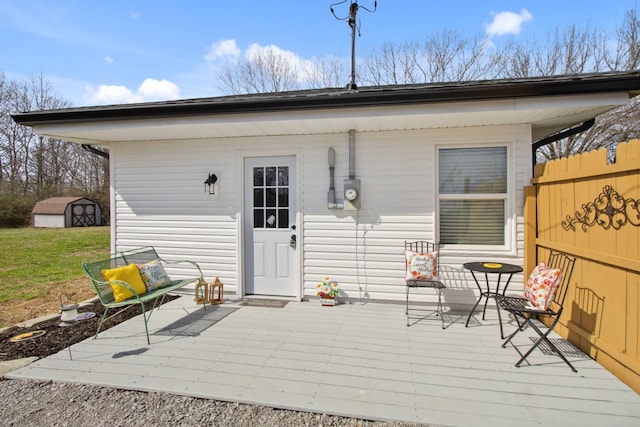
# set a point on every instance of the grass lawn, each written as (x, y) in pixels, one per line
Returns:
(33, 259)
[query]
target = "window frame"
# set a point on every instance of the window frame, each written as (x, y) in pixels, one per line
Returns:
(265, 207)
(509, 244)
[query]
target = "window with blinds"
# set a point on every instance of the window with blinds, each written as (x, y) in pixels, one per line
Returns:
(472, 193)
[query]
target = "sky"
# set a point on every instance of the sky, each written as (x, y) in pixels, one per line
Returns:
(111, 52)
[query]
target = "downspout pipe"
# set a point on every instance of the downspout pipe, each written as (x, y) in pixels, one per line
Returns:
(94, 150)
(352, 154)
(558, 136)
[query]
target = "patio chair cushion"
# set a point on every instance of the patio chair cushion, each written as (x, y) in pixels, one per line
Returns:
(153, 275)
(542, 285)
(421, 266)
(129, 274)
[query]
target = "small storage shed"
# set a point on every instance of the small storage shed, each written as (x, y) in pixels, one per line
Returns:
(63, 212)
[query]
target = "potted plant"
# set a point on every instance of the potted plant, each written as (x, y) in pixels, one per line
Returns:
(327, 291)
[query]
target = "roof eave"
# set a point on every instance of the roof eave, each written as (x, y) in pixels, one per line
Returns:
(340, 98)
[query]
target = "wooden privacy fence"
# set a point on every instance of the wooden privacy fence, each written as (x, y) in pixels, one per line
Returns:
(591, 210)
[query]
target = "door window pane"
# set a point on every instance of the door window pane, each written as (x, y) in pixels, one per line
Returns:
(283, 197)
(271, 221)
(283, 176)
(283, 218)
(270, 176)
(271, 197)
(258, 177)
(258, 197)
(258, 218)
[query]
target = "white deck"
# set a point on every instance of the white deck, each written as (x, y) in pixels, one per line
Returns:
(357, 360)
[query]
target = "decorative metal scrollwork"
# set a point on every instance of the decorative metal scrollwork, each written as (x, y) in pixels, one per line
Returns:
(608, 210)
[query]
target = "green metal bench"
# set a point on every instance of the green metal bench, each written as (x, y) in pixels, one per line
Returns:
(143, 255)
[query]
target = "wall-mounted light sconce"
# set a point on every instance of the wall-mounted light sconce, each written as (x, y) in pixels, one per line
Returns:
(209, 184)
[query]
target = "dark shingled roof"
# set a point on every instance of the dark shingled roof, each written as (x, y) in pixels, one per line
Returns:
(343, 98)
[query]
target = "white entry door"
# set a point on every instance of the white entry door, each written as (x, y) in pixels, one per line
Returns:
(270, 231)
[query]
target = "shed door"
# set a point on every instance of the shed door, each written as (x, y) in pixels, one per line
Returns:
(270, 246)
(83, 215)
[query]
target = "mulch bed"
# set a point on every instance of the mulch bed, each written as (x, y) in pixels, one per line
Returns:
(57, 337)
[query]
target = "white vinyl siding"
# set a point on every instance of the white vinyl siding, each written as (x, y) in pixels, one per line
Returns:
(160, 201)
(363, 250)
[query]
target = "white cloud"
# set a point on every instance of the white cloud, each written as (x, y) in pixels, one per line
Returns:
(221, 49)
(508, 23)
(108, 60)
(149, 90)
(134, 14)
(110, 94)
(158, 90)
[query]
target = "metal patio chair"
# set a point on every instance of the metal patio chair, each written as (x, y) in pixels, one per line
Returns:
(524, 313)
(424, 252)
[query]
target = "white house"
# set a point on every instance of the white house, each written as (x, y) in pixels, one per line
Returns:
(444, 162)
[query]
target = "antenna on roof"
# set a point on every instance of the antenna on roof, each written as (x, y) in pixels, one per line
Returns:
(351, 18)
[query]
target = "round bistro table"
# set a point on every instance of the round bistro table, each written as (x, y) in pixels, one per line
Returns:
(486, 292)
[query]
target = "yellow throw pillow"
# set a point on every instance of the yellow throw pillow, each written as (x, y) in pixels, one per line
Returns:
(129, 274)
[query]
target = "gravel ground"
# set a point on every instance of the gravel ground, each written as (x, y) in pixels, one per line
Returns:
(36, 403)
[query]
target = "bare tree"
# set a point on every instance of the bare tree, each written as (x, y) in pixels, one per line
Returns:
(516, 61)
(391, 64)
(46, 161)
(328, 71)
(263, 70)
(443, 57)
(3, 113)
(452, 57)
(567, 52)
(609, 130)
(380, 66)
(33, 166)
(14, 140)
(626, 55)
(618, 125)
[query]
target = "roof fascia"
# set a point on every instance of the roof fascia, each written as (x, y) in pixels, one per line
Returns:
(365, 97)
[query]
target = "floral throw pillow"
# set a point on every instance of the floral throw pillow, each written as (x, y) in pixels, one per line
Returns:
(542, 285)
(421, 266)
(153, 275)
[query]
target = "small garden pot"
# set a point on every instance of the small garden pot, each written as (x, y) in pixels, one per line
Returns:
(327, 301)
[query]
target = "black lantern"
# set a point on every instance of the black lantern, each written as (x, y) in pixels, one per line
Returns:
(209, 187)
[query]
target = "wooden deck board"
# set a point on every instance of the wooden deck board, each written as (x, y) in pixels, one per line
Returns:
(356, 360)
